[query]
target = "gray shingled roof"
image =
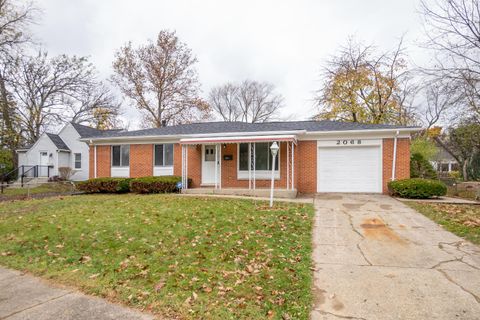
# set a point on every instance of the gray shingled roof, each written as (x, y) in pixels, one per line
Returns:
(87, 132)
(58, 142)
(229, 127)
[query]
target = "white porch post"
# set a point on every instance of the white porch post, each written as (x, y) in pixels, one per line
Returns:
(216, 166)
(249, 164)
(293, 166)
(183, 167)
(95, 161)
(254, 169)
(186, 167)
(288, 166)
(220, 166)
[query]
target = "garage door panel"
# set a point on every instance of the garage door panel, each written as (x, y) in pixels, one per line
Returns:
(349, 169)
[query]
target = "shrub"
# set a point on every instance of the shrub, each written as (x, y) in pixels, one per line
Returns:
(65, 173)
(163, 184)
(421, 167)
(417, 188)
(105, 185)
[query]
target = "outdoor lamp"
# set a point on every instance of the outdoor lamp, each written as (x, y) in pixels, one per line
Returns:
(274, 150)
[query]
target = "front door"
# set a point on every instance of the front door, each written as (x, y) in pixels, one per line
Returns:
(43, 164)
(208, 164)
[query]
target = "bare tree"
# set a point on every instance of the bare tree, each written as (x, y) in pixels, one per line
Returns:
(44, 87)
(453, 32)
(160, 79)
(362, 85)
(249, 101)
(15, 18)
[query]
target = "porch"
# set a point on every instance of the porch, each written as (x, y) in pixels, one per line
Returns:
(239, 165)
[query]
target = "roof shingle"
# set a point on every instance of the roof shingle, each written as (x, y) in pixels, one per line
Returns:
(58, 142)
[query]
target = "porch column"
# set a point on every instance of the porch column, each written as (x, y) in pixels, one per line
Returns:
(95, 161)
(293, 166)
(288, 165)
(216, 166)
(184, 167)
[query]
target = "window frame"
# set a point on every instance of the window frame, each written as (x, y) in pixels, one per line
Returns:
(163, 155)
(259, 174)
(122, 146)
(75, 161)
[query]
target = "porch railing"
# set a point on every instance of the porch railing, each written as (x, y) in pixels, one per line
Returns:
(25, 173)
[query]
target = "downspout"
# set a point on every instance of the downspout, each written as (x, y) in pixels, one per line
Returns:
(394, 160)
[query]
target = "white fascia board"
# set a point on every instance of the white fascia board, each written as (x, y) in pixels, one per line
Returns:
(177, 138)
(374, 134)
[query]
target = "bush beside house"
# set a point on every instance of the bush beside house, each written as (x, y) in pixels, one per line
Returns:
(417, 188)
(164, 184)
(105, 185)
(421, 167)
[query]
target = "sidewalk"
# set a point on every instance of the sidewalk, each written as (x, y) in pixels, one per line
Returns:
(26, 297)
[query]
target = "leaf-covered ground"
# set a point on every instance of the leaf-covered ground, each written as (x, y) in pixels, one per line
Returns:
(46, 188)
(463, 220)
(180, 257)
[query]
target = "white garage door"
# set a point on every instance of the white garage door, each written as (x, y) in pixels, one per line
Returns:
(349, 169)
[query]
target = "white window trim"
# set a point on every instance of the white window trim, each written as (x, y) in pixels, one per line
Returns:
(75, 161)
(111, 157)
(259, 174)
(173, 155)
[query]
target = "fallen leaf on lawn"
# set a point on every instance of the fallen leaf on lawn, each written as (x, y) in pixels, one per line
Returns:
(270, 313)
(159, 285)
(75, 270)
(85, 259)
(93, 276)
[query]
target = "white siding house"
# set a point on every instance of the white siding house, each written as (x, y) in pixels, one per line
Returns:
(53, 151)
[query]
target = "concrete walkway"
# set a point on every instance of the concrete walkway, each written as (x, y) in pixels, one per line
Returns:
(23, 297)
(375, 258)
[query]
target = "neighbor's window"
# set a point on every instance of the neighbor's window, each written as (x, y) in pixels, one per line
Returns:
(78, 160)
(263, 157)
(121, 156)
(164, 154)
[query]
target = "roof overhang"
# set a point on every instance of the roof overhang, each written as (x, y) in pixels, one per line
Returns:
(239, 139)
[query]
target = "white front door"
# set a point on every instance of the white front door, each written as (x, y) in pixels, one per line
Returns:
(208, 164)
(43, 169)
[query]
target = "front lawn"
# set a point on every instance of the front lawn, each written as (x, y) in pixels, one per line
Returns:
(180, 257)
(463, 220)
(46, 188)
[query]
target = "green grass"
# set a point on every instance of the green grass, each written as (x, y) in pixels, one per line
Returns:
(186, 258)
(465, 194)
(463, 220)
(50, 187)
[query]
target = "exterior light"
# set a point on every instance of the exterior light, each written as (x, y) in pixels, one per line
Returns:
(274, 150)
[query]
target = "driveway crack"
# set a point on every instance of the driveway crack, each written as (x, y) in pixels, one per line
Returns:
(36, 305)
(363, 254)
(458, 285)
(339, 316)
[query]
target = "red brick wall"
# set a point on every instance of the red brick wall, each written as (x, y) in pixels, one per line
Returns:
(103, 161)
(91, 162)
(402, 167)
(306, 166)
(141, 160)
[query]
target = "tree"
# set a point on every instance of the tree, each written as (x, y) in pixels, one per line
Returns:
(363, 86)
(160, 79)
(425, 147)
(15, 18)
(453, 34)
(48, 91)
(249, 101)
(463, 143)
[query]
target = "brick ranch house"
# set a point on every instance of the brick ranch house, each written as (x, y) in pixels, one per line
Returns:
(314, 156)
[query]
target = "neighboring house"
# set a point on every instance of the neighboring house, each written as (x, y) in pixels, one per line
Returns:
(314, 156)
(444, 162)
(53, 151)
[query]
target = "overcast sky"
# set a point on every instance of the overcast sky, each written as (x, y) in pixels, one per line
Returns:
(282, 42)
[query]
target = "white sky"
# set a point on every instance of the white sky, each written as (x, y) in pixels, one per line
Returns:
(283, 42)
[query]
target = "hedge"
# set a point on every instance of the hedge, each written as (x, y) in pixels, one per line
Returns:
(417, 188)
(163, 184)
(421, 167)
(105, 185)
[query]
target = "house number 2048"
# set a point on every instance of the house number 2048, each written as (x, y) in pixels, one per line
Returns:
(348, 142)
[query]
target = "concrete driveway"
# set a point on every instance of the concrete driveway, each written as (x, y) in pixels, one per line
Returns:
(375, 258)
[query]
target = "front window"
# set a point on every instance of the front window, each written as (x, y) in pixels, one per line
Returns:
(163, 155)
(263, 156)
(121, 156)
(78, 160)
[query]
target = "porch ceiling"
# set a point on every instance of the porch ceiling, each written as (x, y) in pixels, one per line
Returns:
(239, 139)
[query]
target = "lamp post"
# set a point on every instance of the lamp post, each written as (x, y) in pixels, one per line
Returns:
(274, 150)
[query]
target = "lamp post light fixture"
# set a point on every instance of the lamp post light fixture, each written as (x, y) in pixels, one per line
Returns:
(274, 150)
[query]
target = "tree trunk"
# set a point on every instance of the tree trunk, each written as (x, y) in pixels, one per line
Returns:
(464, 170)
